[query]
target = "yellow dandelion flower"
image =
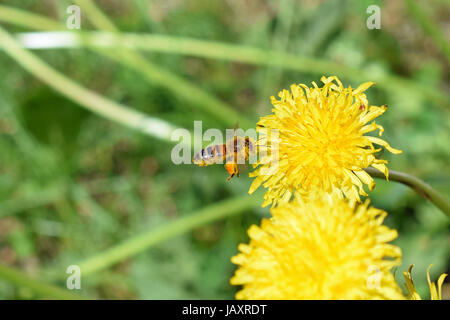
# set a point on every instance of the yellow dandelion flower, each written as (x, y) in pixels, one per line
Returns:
(319, 250)
(435, 293)
(321, 144)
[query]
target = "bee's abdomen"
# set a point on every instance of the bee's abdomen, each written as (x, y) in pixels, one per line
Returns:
(209, 155)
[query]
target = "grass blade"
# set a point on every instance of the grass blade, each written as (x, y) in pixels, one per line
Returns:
(148, 239)
(44, 290)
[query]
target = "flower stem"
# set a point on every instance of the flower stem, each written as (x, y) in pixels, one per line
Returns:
(422, 188)
(87, 98)
(185, 90)
(152, 237)
(42, 289)
(218, 50)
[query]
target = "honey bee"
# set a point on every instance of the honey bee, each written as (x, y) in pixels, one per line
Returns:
(230, 152)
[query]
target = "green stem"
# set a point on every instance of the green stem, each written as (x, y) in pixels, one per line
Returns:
(85, 97)
(42, 289)
(256, 56)
(182, 88)
(26, 19)
(150, 238)
(153, 73)
(229, 52)
(419, 186)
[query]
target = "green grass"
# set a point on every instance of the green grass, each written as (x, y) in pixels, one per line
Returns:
(85, 171)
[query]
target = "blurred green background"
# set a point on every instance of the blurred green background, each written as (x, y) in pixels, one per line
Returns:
(74, 184)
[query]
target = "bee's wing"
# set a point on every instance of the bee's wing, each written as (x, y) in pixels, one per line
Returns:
(220, 152)
(236, 150)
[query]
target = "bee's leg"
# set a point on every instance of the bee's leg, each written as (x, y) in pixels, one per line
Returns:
(232, 170)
